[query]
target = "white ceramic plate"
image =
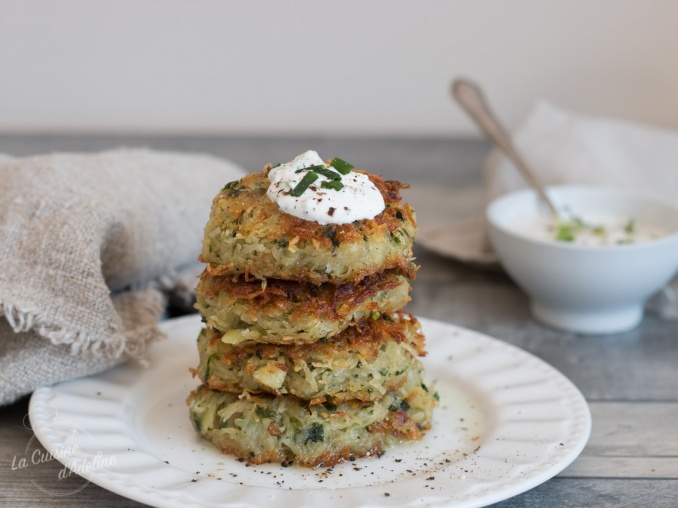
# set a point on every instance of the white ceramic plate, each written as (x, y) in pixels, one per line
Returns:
(507, 422)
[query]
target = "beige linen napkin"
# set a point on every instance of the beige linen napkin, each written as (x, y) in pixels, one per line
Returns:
(564, 147)
(87, 245)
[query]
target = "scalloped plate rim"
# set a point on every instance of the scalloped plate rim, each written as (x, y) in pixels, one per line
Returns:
(119, 483)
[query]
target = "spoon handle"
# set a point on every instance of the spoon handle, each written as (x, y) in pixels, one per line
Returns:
(471, 98)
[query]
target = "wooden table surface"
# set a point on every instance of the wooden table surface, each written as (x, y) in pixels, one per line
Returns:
(630, 380)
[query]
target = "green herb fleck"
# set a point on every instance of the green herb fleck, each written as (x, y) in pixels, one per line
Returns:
(393, 407)
(436, 396)
(383, 372)
(310, 168)
(264, 412)
(232, 189)
(331, 233)
(358, 365)
(197, 422)
(337, 186)
(424, 387)
(315, 434)
(308, 179)
(282, 242)
(394, 238)
(599, 231)
(341, 165)
(565, 232)
(375, 315)
(330, 407)
(332, 175)
(404, 405)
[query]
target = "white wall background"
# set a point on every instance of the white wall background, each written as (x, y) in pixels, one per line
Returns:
(305, 66)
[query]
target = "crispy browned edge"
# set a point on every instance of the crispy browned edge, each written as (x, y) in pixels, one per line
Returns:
(323, 236)
(397, 424)
(363, 339)
(330, 301)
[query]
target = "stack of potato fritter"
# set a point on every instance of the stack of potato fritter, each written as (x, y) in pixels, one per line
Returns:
(306, 357)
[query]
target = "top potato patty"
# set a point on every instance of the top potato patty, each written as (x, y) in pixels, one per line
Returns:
(248, 234)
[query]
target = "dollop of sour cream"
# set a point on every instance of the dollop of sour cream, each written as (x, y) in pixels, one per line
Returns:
(358, 199)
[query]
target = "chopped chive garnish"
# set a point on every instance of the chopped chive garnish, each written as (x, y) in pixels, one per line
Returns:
(341, 165)
(310, 168)
(565, 233)
(336, 185)
(332, 175)
(308, 179)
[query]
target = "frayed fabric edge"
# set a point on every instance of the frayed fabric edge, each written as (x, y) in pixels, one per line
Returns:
(133, 343)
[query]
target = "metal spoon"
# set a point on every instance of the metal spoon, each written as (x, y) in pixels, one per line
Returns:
(471, 98)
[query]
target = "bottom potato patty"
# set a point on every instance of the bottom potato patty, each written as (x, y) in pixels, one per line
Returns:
(262, 428)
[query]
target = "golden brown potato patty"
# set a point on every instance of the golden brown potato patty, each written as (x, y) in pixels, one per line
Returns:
(264, 428)
(289, 312)
(363, 362)
(247, 234)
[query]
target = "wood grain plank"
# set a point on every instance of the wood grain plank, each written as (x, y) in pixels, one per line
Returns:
(587, 466)
(630, 440)
(579, 493)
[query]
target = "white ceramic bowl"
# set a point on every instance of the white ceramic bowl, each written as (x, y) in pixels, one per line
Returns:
(587, 289)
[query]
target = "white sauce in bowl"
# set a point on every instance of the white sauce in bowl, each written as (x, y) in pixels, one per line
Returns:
(358, 199)
(595, 231)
